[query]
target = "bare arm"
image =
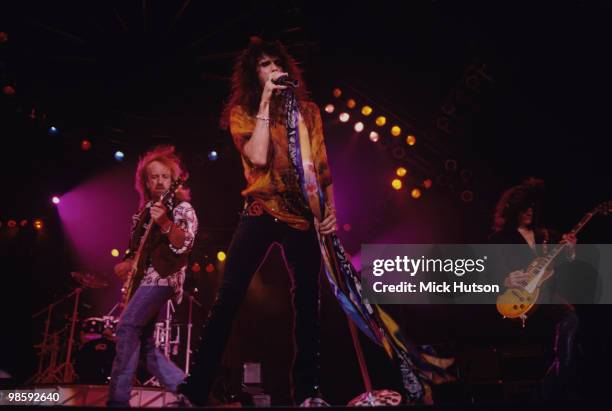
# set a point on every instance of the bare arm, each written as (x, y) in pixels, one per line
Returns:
(256, 149)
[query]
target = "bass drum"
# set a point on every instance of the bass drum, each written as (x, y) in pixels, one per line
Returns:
(94, 361)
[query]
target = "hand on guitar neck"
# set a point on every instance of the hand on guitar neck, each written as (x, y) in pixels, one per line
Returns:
(569, 238)
(159, 214)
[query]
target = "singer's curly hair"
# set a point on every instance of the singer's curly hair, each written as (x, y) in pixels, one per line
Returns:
(246, 89)
(516, 200)
(166, 155)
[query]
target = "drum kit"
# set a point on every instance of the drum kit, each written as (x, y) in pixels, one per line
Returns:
(86, 348)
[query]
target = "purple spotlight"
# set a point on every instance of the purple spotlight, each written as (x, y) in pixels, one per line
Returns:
(55, 200)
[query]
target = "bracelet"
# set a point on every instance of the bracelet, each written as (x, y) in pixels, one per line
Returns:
(168, 230)
(262, 118)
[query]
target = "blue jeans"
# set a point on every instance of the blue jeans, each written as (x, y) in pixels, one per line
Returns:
(135, 329)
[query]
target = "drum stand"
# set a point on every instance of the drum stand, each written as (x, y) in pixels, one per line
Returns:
(53, 372)
(168, 332)
(189, 327)
(163, 333)
(113, 309)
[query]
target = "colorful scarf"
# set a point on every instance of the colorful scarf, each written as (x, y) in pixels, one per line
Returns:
(419, 365)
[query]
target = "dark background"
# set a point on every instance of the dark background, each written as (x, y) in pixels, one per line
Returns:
(131, 74)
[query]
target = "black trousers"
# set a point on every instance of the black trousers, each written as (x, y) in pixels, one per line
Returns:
(560, 380)
(249, 246)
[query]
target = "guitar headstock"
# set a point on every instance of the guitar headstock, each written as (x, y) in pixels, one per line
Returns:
(169, 194)
(604, 208)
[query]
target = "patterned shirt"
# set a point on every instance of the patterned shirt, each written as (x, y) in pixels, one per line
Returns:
(276, 184)
(184, 216)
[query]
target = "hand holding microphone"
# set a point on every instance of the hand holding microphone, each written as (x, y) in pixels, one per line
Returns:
(285, 80)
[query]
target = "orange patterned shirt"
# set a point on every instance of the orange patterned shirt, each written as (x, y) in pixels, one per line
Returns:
(276, 184)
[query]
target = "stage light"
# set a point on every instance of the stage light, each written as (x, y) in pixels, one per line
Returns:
(212, 155)
(346, 227)
(53, 131)
(411, 140)
(351, 103)
(210, 268)
(119, 156)
(396, 183)
(221, 256)
(396, 131)
(23, 223)
(401, 171)
(427, 183)
(358, 127)
(55, 200)
(195, 267)
(337, 92)
(374, 137)
(344, 117)
(415, 193)
(329, 108)
(8, 90)
(381, 121)
(115, 252)
(467, 196)
(85, 145)
(366, 110)
(11, 224)
(38, 224)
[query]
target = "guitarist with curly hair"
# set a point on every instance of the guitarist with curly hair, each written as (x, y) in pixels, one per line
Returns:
(517, 221)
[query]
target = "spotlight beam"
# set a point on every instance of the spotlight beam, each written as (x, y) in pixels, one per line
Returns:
(178, 14)
(227, 25)
(69, 36)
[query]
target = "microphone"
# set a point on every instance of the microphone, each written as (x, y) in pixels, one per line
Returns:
(286, 81)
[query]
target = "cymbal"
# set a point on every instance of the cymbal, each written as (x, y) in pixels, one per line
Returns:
(89, 280)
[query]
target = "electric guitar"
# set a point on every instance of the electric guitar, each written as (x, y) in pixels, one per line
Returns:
(134, 277)
(518, 302)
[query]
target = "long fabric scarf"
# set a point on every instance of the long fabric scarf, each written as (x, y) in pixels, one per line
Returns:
(419, 365)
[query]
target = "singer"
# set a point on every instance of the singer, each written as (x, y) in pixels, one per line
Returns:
(275, 211)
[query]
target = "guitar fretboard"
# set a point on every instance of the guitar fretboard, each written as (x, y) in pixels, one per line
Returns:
(556, 250)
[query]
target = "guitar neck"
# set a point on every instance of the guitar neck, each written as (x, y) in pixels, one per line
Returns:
(577, 228)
